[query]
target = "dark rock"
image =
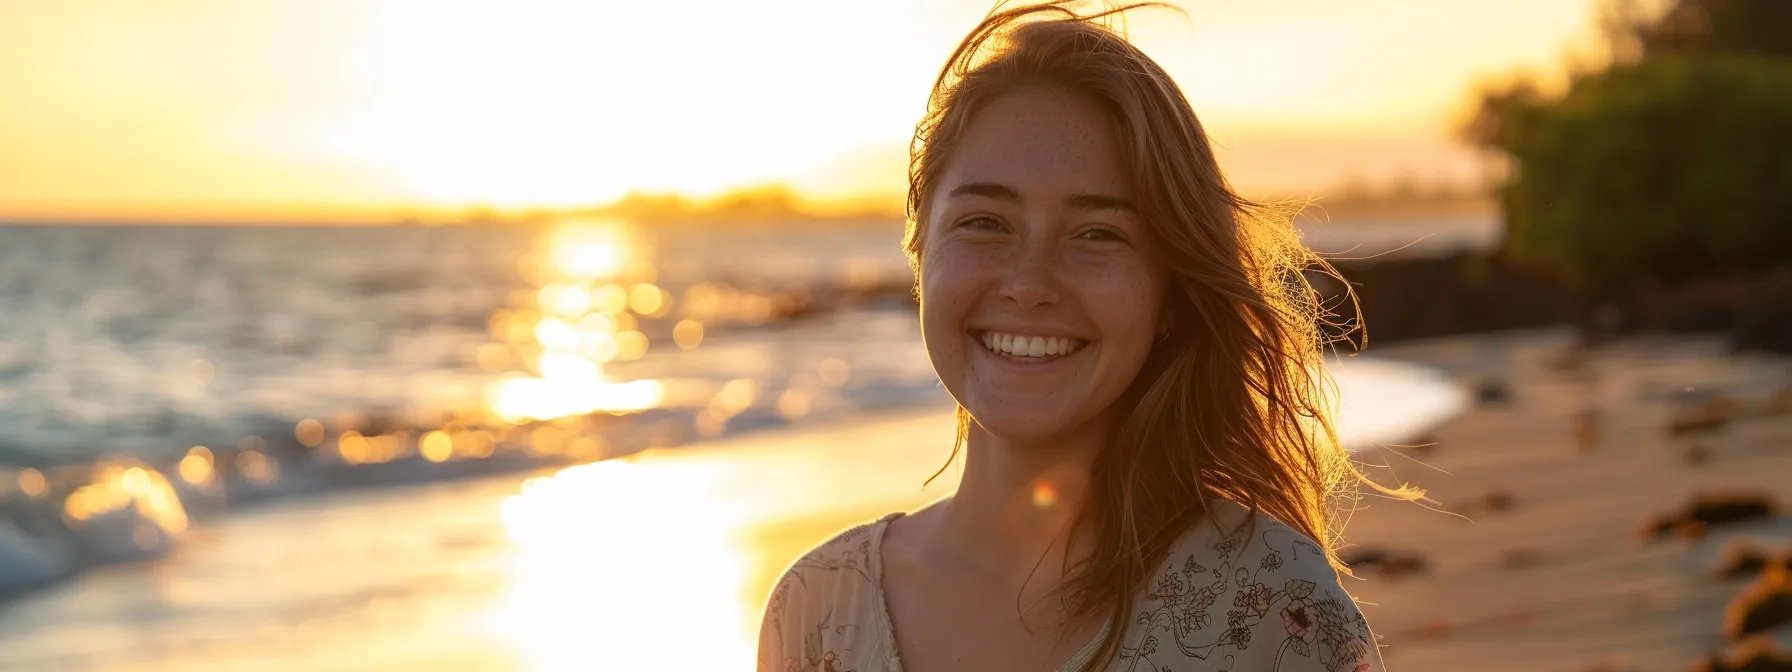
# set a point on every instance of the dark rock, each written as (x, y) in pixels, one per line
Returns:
(1493, 391)
(1763, 605)
(1713, 414)
(1707, 510)
(1389, 563)
(1757, 654)
(1497, 501)
(1520, 558)
(1697, 454)
(1586, 429)
(1747, 557)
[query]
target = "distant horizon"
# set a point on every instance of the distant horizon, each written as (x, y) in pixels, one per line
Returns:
(209, 110)
(1379, 204)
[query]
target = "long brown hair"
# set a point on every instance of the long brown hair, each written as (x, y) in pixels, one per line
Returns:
(1233, 402)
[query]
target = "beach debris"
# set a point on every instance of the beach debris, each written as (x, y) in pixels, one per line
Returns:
(1696, 454)
(1389, 563)
(1763, 605)
(1748, 557)
(1756, 654)
(1586, 428)
(1617, 663)
(1707, 510)
(1778, 403)
(1710, 415)
(1489, 391)
(1520, 558)
(1497, 501)
(1573, 359)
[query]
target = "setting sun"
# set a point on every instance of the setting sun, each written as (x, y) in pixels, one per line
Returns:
(212, 109)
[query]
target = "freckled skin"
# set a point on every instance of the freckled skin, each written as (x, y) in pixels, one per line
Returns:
(1037, 262)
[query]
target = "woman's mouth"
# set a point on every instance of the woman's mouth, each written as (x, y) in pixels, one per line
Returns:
(1027, 347)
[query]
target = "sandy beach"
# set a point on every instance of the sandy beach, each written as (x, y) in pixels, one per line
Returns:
(1540, 565)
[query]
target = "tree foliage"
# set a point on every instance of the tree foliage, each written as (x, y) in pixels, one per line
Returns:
(1674, 163)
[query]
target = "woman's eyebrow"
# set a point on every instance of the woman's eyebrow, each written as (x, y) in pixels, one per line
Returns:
(1099, 202)
(1007, 193)
(986, 189)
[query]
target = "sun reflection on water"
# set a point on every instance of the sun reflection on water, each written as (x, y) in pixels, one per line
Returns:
(627, 565)
(590, 274)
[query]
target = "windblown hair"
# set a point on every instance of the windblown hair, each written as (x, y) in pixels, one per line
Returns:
(1233, 403)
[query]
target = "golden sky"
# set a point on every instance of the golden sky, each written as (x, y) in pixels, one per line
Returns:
(205, 108)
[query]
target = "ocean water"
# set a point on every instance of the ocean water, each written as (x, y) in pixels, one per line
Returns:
(150, 340)
(215, 406)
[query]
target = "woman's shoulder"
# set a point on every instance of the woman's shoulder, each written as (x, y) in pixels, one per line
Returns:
(1242, 591)
(825, 601)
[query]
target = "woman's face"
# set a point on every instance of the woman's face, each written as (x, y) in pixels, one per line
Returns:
(1038, 302)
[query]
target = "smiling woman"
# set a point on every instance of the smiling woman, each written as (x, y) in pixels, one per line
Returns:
(1150, 465)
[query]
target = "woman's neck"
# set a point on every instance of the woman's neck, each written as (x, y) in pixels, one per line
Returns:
(1016, 502)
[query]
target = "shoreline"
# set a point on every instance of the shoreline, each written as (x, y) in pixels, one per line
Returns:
(728, 515)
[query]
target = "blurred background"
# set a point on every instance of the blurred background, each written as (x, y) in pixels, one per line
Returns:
(387, 334)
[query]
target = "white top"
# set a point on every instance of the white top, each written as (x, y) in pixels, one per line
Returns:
(1228, 598)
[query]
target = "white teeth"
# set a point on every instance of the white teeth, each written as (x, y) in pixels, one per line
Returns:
(1030, 346)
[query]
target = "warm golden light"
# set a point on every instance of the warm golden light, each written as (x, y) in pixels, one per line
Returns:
(688, 334)
(364, 110)
(196, 467)
(309, 432)
(600, 348)
(611, 299)
(631, 345)
(521, 398)
(351, 446)
(564, 300)
(737, 395)
(793, 404)
(646, 299)
(588, 251)
(135, 481)
(553, 332)
(258, 468)
(436, 446)
(612, 554)
(493, 357)
(1045, 495)
(33, 483)
(598, 323)
(568, 367)
(115, 488)
(834, 371)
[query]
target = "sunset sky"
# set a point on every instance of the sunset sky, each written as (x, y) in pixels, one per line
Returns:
(353, 108)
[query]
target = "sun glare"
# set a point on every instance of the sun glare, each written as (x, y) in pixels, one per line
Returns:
(625, 565)
(578, 324)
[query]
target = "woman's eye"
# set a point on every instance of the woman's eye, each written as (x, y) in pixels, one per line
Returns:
(981, 224)
(1100, 234)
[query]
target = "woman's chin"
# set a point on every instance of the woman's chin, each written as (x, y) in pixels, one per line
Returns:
(1021, 425)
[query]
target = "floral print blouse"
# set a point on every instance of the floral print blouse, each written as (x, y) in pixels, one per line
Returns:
(1258, 598)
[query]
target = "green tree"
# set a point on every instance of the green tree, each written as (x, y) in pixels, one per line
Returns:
(1676, 161)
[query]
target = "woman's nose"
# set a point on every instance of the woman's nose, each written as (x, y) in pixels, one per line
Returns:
(1032, 279)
